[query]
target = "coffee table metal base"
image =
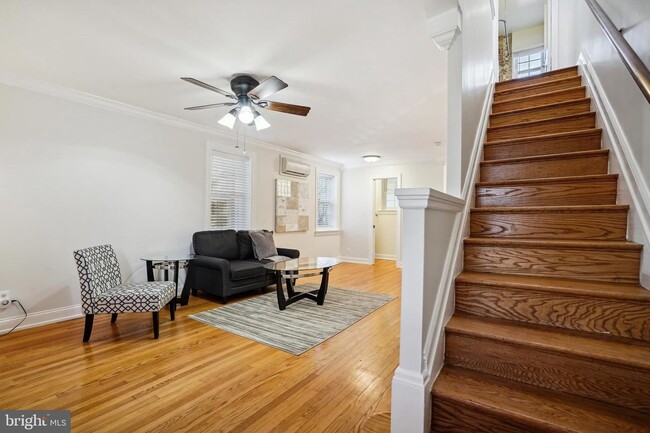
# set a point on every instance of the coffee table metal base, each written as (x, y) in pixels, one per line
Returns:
(293, 296)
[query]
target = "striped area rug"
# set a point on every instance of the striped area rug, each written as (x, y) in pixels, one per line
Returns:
(302, 325)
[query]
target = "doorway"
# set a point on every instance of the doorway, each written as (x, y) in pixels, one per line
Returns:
(386, 219)
(524, 38)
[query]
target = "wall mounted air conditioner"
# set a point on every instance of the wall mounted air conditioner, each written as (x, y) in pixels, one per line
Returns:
(294, 167)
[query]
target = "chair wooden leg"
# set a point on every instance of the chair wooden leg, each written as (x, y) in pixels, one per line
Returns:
(156, 324)
(113, 317)
(88, 328)
(172, 309)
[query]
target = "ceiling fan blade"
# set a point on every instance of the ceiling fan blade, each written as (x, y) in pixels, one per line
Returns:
(209, 87)
(298, 110)
(267, 88)
(203, 107)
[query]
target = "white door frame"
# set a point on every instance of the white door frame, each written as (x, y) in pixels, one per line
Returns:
(373, 210)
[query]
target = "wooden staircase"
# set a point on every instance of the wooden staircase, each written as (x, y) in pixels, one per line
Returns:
(551, 331)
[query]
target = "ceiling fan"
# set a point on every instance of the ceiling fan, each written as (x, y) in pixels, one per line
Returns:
(249, 95)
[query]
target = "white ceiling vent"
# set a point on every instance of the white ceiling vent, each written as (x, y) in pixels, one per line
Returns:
(294, 167)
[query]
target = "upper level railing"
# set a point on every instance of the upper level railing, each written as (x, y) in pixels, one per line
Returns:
(632, 61)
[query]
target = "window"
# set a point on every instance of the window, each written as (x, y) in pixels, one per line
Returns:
(529, 62)
(388, 199)
(230, 191)
(326, 202)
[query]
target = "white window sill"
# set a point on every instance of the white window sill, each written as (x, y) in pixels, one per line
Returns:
(387, 212)
(327, 232)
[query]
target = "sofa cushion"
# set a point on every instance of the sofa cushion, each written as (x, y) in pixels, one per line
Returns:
(243, 269)
(245, 245)
(216, 243)
(263, 244)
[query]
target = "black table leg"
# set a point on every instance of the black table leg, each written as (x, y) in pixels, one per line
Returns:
(320, 299)
(150, 270)
(185, 294)
(176, 264)
(282, 303)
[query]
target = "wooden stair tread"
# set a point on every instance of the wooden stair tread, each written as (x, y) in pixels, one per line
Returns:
(541, 122)
(542, 94)
(550, 180)
(558, 209)
(551, 157)
(551, 339)
(547, 243)
(598, 289)
(554, 136)
(535, 77)
(543, 409)
(538, 108)
(541, 86)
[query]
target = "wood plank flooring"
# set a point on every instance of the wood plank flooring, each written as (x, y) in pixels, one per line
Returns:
(200, 379)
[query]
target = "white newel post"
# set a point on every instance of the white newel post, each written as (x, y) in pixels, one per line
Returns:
(430, 220)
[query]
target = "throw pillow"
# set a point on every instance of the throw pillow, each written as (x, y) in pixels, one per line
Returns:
(263, 244)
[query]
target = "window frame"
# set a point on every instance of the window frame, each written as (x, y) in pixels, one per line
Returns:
(213, 149)
(332, 229)
(527, 53)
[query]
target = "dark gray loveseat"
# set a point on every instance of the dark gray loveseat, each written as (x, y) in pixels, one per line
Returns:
(225, 264)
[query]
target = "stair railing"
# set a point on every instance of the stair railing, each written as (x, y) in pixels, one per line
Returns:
(632, 61)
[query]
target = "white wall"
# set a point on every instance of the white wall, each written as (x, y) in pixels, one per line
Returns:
(472, 58)
(631, 110)
(357, 200)
(530, 37)
(74, 175)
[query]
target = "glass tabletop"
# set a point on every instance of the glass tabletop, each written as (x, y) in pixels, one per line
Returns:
(303, 264)
(168, 258)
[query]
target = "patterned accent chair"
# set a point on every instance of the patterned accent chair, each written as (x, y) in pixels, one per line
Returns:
(102, 290)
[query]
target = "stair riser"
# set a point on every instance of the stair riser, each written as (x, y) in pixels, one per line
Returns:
(575, 107)
(508, 85)
(620, 318)
(576, 123)
(582, 193)
(524, 92)
(584, 264)
(450, 416)
(528, 147)
(588, 165)
(585, 377)
(543, 99)
(611, 225)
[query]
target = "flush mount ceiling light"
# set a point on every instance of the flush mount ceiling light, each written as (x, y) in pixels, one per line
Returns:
(371, 158)
(249, 95)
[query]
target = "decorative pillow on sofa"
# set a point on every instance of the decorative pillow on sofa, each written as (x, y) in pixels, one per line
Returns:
(263, 244)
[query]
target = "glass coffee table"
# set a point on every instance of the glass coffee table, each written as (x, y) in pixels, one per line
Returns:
(291, 270)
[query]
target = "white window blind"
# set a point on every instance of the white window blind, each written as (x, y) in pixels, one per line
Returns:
(230, 192)
(326, 198)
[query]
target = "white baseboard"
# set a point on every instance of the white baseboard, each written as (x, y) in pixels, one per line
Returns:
(634, 188)
(359, 260)
(385, 256)
(39, 318)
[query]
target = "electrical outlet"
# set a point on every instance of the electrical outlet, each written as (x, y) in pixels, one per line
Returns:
(5, 299)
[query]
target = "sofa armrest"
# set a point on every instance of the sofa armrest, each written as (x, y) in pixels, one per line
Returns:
(288, 252)
(216, 263)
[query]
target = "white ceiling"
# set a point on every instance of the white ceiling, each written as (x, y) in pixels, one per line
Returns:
(374, 80)
(520, 14)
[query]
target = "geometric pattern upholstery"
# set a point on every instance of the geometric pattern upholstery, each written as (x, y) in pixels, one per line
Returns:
(102, 290)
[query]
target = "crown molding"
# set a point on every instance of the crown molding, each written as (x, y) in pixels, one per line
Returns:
(47, 88)
(445, 28)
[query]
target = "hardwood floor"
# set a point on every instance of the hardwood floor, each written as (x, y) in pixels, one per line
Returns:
(201, 379)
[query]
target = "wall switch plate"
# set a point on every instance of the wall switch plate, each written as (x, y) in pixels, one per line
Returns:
(5, 299)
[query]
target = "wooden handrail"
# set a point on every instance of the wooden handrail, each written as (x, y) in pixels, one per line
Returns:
(632, 61)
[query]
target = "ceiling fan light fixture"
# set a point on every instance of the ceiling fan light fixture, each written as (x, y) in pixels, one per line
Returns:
(229, 119)
(260, 122)
(246, 115)
(371, 158)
